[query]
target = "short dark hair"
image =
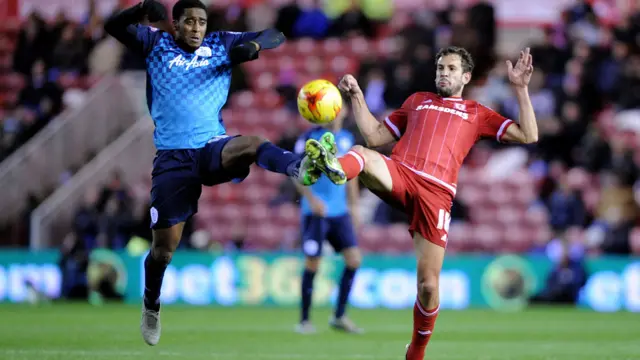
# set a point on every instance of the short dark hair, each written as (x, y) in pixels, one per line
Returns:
(465, 57)
(182, 5)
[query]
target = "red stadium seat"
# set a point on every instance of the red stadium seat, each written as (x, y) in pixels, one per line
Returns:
(305, 46)
(288, 214)
(371, 237)
(508, 214)
(460, 234)
(331, 47)
(399, 234)
(488, 237)
(483, 214)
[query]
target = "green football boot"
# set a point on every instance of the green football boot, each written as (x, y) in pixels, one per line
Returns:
(308, 173)
(329, 142)
(323, 153)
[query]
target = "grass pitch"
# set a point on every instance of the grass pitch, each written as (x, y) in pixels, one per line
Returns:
(73, 331)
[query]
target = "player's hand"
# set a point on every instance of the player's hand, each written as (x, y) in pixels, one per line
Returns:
(155, 11)
(318, 207)
(520, 74)
(349, 85)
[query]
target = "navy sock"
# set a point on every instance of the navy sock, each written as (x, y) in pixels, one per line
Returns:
(153, 275)
(345, 288)
(275, 159)
(307, 292)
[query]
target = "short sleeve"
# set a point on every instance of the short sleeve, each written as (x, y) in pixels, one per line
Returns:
(396, 122)
(492, 124)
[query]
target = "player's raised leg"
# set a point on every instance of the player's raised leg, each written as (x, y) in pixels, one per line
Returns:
(370, 166)
(425, 310)
(242, 151)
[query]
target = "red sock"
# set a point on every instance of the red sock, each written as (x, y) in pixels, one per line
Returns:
(423, 323)
(352, 164)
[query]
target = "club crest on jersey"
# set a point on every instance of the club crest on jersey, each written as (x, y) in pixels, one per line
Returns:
(459, 113)
(180, 61)
(204, 51)
(461, 107)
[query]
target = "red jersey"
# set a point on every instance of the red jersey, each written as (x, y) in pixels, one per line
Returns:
(435, 134)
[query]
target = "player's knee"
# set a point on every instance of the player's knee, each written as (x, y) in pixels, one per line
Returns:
(361, 150)
(428, 288)
(352, 258)
(312, 263)
(250, 148)
(253, 143)
(162, 254)
(243, 148)
(370, 157)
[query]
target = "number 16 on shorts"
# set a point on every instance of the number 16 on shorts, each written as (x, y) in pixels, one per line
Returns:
(444, 219)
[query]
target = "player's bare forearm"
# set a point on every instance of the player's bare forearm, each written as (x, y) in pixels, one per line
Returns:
(527, 130)
(520, 76)
(118, 25)
(373, 131)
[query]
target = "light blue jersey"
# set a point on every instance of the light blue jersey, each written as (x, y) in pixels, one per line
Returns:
(334, 196)
(186, 91)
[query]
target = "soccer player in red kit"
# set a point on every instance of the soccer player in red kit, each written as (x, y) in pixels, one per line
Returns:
(435, 132)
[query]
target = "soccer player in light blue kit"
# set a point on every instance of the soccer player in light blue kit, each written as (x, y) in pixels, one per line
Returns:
(328, 213)
(188, 78)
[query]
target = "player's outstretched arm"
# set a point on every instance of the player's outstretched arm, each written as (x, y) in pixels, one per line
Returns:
(247, 46)
(373, 131)
(526, 132)
(122, 24)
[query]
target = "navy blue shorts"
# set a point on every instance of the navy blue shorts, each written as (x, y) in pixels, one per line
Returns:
(178, 176)
(338, 231)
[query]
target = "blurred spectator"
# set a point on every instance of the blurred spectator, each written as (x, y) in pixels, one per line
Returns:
(115, 188)
(566, 207)
(352, 22)
(41, 95)
(287, 17)
(73, 264)
(628, 94)
(85, 223)
(33, 43)
(615, 215)
(564, 282)
(69, 54)
(115, 224)
(311, 21)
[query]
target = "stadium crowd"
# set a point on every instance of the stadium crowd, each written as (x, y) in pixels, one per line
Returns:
(586, 94)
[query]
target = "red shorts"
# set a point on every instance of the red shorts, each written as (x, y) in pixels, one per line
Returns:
(428, 205)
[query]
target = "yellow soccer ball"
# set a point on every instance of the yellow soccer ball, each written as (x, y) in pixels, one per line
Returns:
(319, 101)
